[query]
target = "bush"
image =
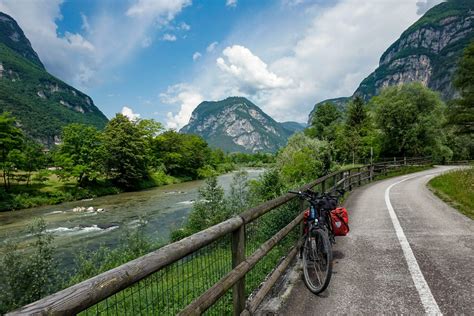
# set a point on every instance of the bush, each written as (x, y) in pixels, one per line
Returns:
(179, 234)
(206, 172)
(27, 277)
(303, 160)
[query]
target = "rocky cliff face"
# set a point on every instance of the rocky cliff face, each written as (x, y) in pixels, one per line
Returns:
(13, 37)
(42, 103)
(236, 124)
(427, 52)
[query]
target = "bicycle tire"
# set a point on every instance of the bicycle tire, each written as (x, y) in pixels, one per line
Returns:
(317, 255)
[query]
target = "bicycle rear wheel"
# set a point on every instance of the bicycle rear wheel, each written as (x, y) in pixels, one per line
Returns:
(317, 261)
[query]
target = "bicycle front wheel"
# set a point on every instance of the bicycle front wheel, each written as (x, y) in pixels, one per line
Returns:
(317, 261)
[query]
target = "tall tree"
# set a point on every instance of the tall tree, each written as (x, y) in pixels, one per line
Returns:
(125, 153)
(357, 135)
(356, 113)
(34, 160)
(11, 138)
(461, 111)
(182, 154)
(324, 122)
(410, 118)
(79, 154)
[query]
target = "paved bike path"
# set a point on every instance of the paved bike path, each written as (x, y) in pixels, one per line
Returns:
(371, 273)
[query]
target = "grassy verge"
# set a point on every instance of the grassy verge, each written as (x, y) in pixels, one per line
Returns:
(457, 189)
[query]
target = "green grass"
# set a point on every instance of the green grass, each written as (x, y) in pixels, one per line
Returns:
(457, 189)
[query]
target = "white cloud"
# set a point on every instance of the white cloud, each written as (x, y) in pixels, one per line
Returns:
(249, 72)
(146, 42)
(85, 23)
(425, 5)
(76, 41)
(187, 98)
(164, 8)
(169, 37)
(184, 26)
(128, 112)
(212, 47)
(320, 52)
(107, 38)
(231, 3)
(196, 56)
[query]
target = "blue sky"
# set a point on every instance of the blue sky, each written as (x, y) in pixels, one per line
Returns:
(159, 58)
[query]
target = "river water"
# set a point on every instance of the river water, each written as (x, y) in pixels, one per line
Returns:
(164, 209)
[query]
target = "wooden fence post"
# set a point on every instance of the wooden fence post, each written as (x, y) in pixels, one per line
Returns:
(360, 176)
(238, 255)
(350, 179)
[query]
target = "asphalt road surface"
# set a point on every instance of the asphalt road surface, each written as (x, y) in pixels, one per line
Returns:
(407, 253)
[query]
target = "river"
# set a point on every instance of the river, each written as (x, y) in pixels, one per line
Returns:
(163, 208)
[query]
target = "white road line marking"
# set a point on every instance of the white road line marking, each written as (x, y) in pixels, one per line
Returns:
(427, 299)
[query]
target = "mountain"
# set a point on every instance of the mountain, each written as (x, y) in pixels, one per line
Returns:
(428, 51)
(13, 37)
(42, 103)
(237, 125)
(293, 127)
(340, 103)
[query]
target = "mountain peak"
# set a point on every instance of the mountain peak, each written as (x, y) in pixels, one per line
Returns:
(13, 37)
(236, 124)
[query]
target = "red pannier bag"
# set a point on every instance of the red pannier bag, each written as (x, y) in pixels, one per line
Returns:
(340, 221)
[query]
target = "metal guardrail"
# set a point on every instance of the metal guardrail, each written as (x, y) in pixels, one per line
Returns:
(225, 269)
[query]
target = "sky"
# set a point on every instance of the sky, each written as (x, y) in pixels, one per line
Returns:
(158, 59)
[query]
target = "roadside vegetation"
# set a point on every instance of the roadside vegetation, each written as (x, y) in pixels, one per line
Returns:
(457, 189)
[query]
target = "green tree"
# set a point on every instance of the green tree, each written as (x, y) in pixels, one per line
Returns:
(303, 159)
(357, 135)
(239, 197)
(356, 113)
(80, 154)
(150, 129)
(461, 111)
(34, 158)
(324, 122)
(210, 208)
(11, 138)
(410, 119)
(267, 187)
(125, 152)
(182, 154)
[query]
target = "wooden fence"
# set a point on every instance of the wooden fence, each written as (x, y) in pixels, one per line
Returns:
(212, 271)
